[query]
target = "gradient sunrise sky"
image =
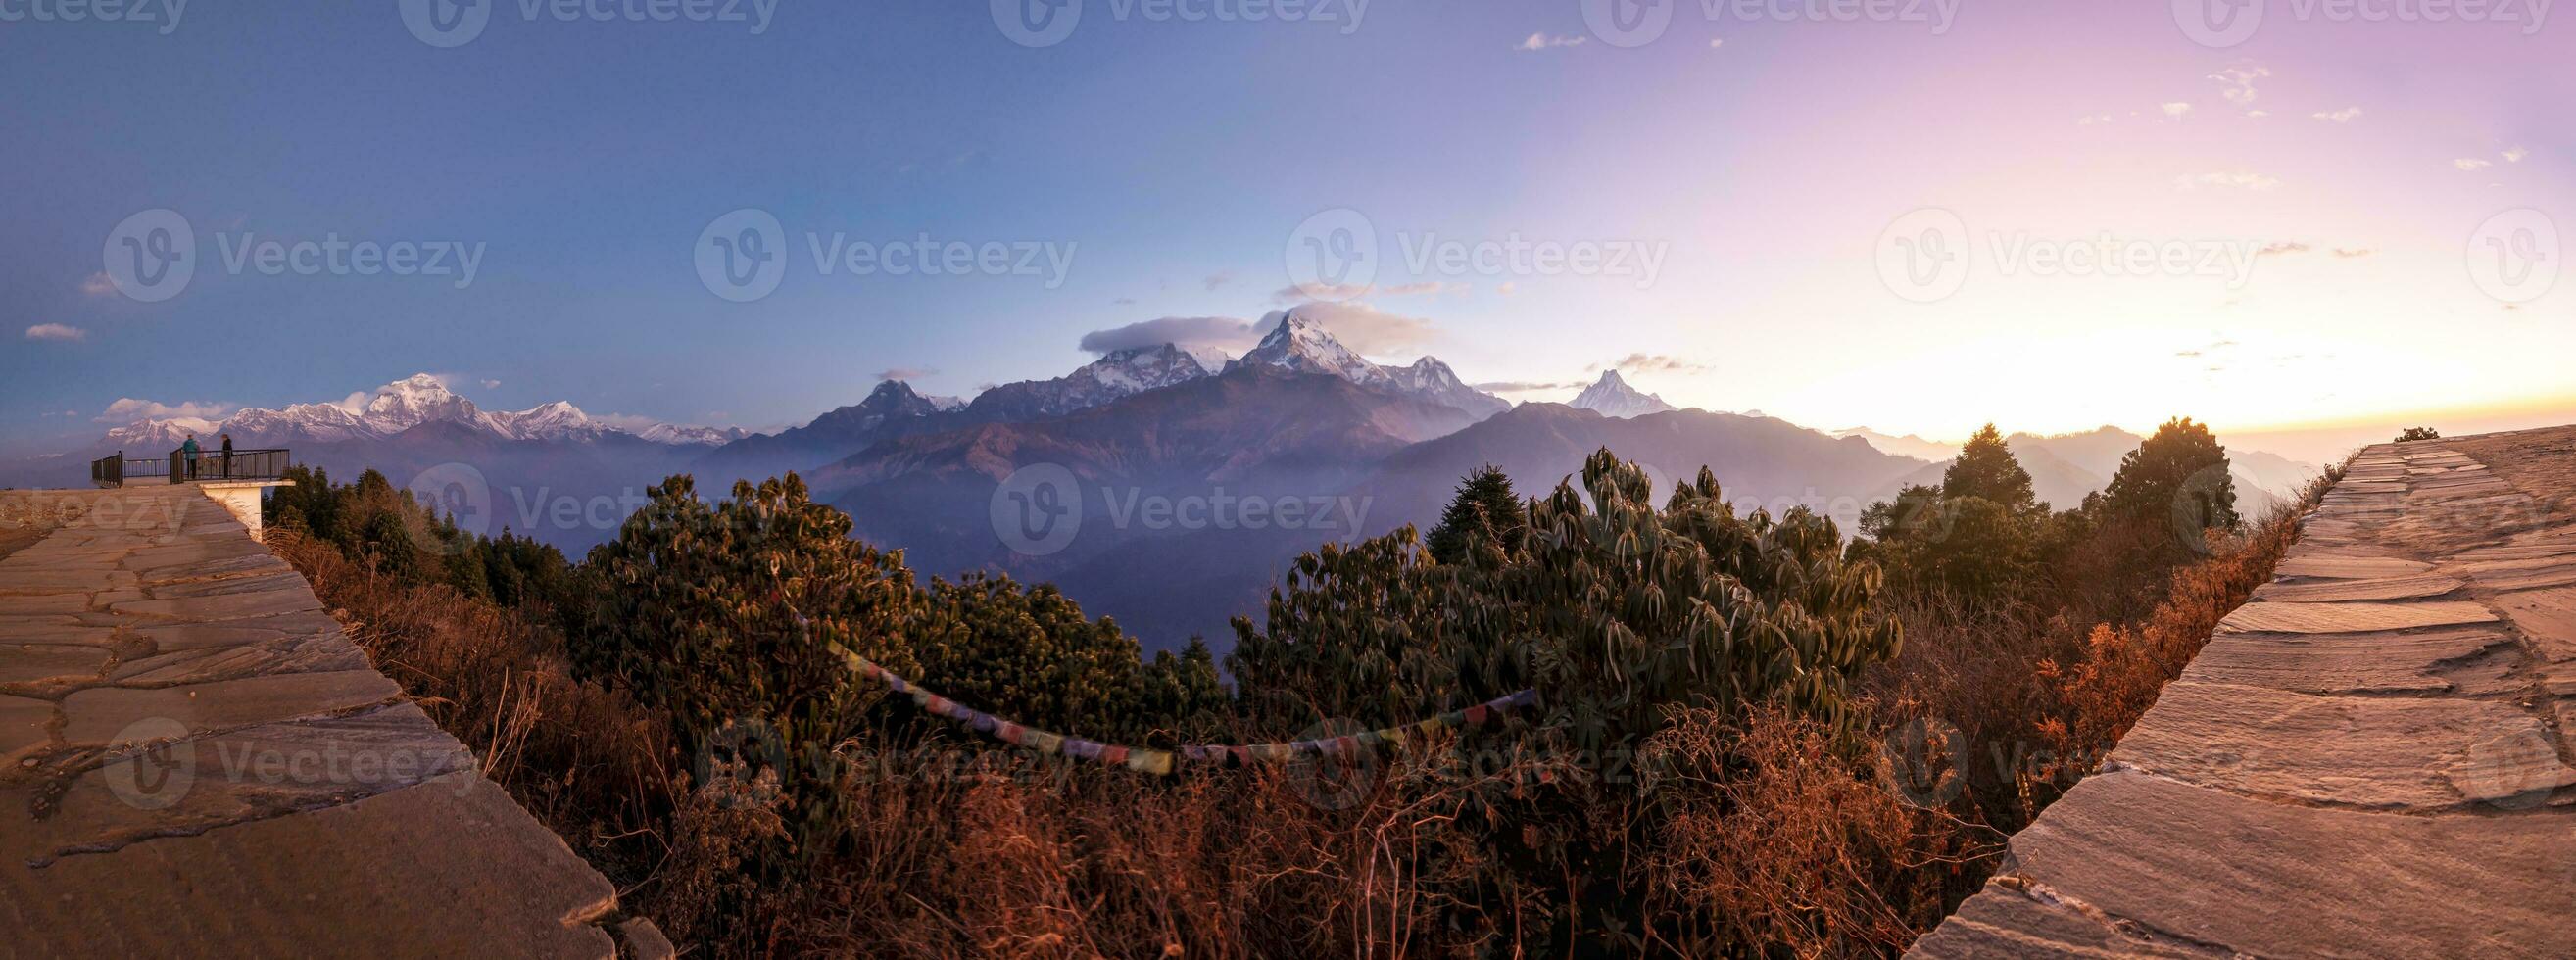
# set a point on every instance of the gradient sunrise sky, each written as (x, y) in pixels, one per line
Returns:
(2344, 175)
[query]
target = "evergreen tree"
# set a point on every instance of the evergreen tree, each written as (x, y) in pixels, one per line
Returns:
(2413, 434)
(1485, 508)
(1986, 469)
(2179, 477)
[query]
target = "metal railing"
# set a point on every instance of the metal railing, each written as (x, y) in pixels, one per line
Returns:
(205, 465)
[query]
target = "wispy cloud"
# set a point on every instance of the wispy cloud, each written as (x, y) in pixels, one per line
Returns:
(2472, 164)
(128, 409)
(2349, 253)
(2281, 247)
(2515, 155)
(1348, 291)
(906, 373)
(2236, 83)
(56, 331)
(1359, 326)
(1218, 279)
(2093, 120)
(2345, 115)
(2176, 110)
(1527, 386)
(2234, 179)
(1654, 363)
(98, 285)
(1542, 41)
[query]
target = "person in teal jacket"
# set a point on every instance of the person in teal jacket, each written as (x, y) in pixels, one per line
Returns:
(188, 455)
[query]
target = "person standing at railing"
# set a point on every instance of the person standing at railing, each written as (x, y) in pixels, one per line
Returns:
(188, 457)
(228, 456)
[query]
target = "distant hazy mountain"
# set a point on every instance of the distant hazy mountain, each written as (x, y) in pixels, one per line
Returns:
(1611, 396)
(1167, 589)
(891, 410)
(1256, 431)
(1908, 445)
(2064, 468)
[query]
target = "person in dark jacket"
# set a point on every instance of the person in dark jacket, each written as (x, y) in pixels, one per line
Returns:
(228, 456)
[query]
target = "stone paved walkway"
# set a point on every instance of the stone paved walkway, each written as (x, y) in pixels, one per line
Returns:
(195, 760)
(2370, 759)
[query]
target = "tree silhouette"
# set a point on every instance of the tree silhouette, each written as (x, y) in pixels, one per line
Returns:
(1485, 508)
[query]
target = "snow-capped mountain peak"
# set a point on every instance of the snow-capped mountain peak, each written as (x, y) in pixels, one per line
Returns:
(1300, 343)
(389, 410)
(1611, 396)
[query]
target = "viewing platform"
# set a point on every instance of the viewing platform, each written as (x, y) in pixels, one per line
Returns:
(195, 760)
(2370, 758)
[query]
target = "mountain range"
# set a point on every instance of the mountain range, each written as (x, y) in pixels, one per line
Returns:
(1197, 478)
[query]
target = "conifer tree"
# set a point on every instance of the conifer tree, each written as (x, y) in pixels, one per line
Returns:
(2179, 476)
(1485, 507)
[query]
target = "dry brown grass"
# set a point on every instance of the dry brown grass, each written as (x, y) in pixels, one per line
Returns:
(1781, 841)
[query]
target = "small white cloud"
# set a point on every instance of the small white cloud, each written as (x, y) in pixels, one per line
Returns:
(1541, 41)
(2515, 155)
(2236, 83)
(2344, 115)
(2176, 110)
(98, 285)
(1714, 44)
(2094, 120)
(2258, 114)
(56, 331)
(2472, 164)
(2235, 179)
(491, 384)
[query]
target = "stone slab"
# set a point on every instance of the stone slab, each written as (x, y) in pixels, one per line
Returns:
(2338, 591)
(2179, 864)
(414, 872)
(2373, 752)
(2350, 568)
(2547, 617)
(97, 715)
(2351, 617)
(2417, 662)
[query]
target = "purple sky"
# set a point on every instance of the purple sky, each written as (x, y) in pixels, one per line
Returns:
(1734, 201)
